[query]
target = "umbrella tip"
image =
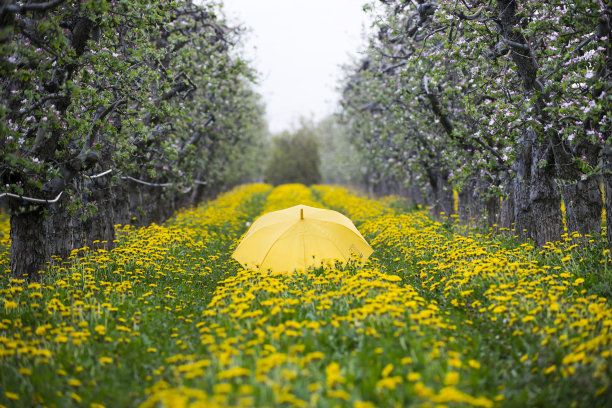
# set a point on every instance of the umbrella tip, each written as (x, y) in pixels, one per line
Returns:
(301, 213)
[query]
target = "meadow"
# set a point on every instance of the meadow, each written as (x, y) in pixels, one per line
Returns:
(440, 315)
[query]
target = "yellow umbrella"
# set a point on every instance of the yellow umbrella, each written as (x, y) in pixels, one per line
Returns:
(299, 237)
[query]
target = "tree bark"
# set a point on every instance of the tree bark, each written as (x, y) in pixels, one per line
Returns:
(583, 206)
(463, 207)
(446, 196)
(506, 216)
(547, 224)
(468, 206)
(582, 197)
(521, 186)
(62, 230)
(607, 182)
(442, 200)
(539, 217)
(493, 208)
(28, 246)
(605, 30)
(103, 221)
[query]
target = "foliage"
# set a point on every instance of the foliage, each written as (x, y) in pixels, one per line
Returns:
(294, 157)
(435, 317)
(452, 92)
(147, 88)
(123, 110)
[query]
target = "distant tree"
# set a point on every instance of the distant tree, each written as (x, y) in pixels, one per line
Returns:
(340, 160)
(294, 158)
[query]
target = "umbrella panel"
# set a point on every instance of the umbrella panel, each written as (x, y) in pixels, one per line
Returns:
(300, 244)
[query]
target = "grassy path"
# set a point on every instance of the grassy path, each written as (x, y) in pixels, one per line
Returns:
(434, 318)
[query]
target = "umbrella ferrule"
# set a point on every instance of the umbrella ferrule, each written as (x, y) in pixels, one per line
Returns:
(301, 213)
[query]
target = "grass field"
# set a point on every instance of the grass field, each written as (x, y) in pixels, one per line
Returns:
(440, 315)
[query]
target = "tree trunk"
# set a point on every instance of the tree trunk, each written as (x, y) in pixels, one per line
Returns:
(583, 206)
(547, 223)
(442, 193)
(582, 197)
(607, 182)
(28, 241)
(521, 186)
(463, 207)
(103, 221)
(447, 197)
(506, 216)
(416, 195)
(64, 231)
(605, 30)
(537, 209)
(433, 200)
(493, 208)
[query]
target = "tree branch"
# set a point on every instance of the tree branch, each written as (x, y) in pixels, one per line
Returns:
(392, 67)
(473, 16)
(514, 44)
(20, 7)
(93, 133)
(47, 98)
(194, 139)
(435, 106)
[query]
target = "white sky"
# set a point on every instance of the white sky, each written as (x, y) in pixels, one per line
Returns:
(298, 46)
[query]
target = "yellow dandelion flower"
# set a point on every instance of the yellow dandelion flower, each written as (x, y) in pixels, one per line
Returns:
(11, 396)
(74, 382)
(387, 370)
(363, 404)
(9, 304)
(451, 378)
(339, 394)
(413, 376)
(332, 373)
(388, 382)
(474, 364)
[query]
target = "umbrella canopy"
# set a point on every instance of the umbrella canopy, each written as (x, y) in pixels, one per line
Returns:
(299, 237)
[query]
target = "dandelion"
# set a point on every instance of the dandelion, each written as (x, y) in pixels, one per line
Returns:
(388, 382)
(413, 376)
(74, 382)
(8, 304)
(474, 364)
(333, 376)
(11, 395)
(105, 360)
(452, 378)
(339, 394)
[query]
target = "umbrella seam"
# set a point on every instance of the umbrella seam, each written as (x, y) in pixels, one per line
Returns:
(344, 226)
(247, 235)
(262, 229)
(304, 245)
